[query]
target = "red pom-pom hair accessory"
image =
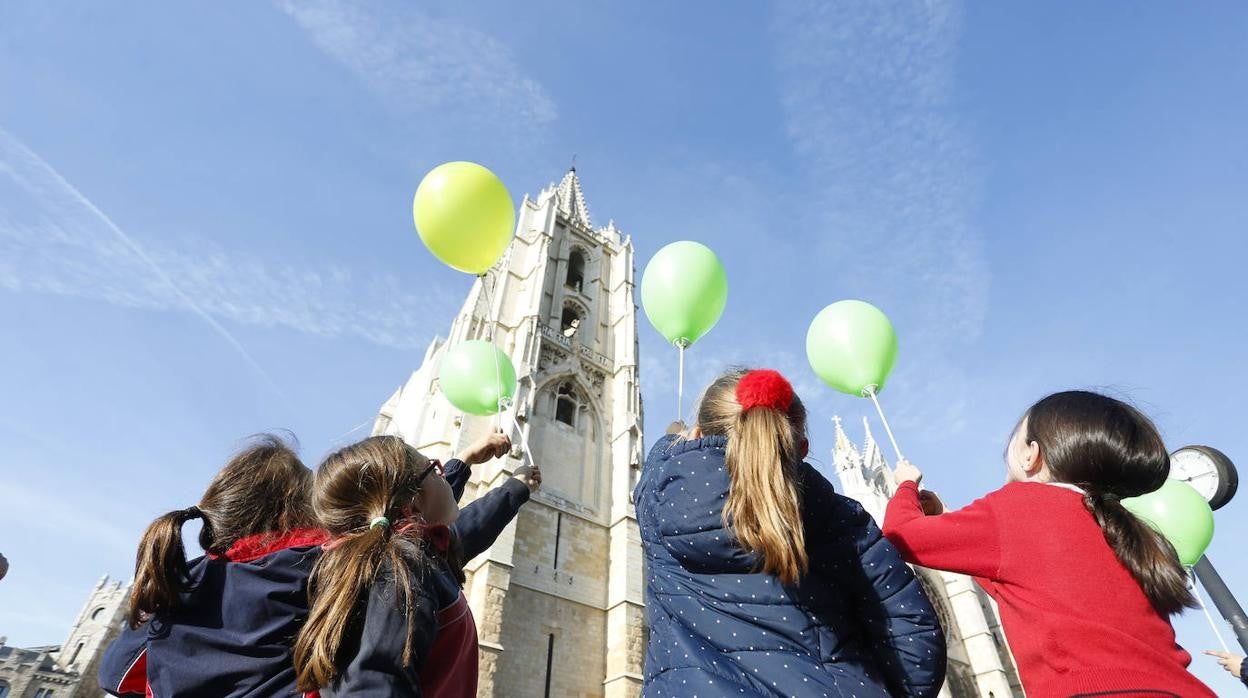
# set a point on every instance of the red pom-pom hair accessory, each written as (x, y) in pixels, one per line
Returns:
(764, 388)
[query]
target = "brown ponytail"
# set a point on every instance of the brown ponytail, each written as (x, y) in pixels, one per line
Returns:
(160, 571)
(1112, 450)
(764, 496)
(1147, 554)
(376, 477)
(264, 488)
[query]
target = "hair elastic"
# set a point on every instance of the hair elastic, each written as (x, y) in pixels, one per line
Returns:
(764, 388)
(379, 521)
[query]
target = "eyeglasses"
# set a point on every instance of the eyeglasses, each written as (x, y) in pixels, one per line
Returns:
(434, 464)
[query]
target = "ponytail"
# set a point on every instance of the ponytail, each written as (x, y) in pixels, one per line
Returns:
(340, 584)
(264, 488)
(1112, 450)
(160, 570)
(1146, 554)
(765, 424)
(763, 499)
(359, 490)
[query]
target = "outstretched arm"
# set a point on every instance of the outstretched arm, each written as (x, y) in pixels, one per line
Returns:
(964, 541)
(458, 470)
(480, 523)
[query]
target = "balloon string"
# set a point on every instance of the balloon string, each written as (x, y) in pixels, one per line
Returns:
(680, 384)
(524, 440)
(887, 429)
(1203, 607)
(491, 327)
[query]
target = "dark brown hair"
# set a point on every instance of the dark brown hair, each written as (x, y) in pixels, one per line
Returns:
(264, 488)
(764, 493)
(1112, 450)
(379, 476)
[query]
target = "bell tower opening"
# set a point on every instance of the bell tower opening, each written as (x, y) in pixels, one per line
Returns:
(570, 322)
(576, 270)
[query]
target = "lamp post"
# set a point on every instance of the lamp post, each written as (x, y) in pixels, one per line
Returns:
(1223, 599)
(1213, 474)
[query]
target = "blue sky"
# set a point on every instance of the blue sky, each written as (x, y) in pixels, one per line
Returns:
(205, 224)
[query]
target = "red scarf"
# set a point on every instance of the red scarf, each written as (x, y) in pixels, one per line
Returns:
(249, 548)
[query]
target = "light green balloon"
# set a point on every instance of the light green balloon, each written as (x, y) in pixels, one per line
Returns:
(683, 291)
(852, 346)
(1179, 513)
(472, 381)
(464, 215)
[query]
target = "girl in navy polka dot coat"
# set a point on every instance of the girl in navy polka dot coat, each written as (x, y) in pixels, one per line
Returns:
(762, 581)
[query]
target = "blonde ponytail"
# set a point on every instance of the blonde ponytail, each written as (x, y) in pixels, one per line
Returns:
(765, 444)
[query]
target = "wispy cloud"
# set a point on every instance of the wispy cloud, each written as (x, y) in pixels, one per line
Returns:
(28, 174)
(54, 240)
(424, 63)
(26, 508)
(866, 89)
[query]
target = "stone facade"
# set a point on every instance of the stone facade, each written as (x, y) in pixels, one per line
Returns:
(558, 599)
(67, 671)
(980, 663)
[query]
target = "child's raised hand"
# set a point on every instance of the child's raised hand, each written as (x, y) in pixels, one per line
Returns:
(1233, 663)
(907, 472)
(495, 445)
(530, 475)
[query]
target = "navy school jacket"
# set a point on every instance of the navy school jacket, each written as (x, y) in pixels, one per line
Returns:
(235, 631)
(857, 624)
(443, 635)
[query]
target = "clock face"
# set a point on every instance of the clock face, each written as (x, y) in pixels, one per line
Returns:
(1196, 469)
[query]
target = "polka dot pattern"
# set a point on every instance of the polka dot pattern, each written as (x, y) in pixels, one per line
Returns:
(858, 624)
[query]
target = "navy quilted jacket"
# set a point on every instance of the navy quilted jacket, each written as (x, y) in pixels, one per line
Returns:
(858, 624)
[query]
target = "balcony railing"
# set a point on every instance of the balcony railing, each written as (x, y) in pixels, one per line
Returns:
(574, 346)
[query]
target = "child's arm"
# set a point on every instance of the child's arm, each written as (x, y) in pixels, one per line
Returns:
(481, 522)
(457, 473)
(964, 541)
(847, 550)
(458, 470)
(123, 669)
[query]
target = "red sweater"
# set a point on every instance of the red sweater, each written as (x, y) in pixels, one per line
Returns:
(1076, 620)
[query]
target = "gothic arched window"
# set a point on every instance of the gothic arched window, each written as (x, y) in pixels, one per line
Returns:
(96, 613)
(576, 269)
(942, 609)
(4, 689)
(567, 404)
(570, 322)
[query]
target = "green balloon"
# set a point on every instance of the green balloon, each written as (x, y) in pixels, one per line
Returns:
(683, 291)
(1178, 512)
(477, 377)
(464, 215)
(852, 346)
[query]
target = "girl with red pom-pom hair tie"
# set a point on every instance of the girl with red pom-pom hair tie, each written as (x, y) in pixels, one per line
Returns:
(763, 581)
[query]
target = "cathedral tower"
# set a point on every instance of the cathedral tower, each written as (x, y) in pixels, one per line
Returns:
(98, 623)
(558, 599)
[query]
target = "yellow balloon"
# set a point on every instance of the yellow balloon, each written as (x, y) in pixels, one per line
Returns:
(464, 215)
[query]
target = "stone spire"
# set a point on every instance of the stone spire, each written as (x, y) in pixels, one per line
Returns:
(572, 199)
(843, 445)
(870, 449)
